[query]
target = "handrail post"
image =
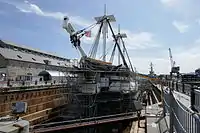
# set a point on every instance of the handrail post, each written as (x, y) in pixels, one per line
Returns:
(192, 95)
(172, 85)
(183, 88)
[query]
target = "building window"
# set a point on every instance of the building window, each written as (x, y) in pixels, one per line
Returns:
(47, 62)
(15, 49)
(29, 76)
(19, 56)
(2, 76)
(1, 46)
(34, 59)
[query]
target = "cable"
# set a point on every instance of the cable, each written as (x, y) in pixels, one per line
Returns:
(106, 52)
(127, 54)
(116, 42)
(90, 26)
(93, 50)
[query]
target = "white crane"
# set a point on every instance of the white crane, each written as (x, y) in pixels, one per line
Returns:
(174, 69)
(171, 59)
(74, 35)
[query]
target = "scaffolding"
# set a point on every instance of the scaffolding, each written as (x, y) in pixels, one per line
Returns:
(87, 100)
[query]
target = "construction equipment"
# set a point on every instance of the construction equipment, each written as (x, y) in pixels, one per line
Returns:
(174, 69)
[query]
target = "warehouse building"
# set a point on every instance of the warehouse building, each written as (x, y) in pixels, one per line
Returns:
(19, 63)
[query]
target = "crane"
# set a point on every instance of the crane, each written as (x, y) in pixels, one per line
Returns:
(174, 69)
(171, 59)
(74, 35)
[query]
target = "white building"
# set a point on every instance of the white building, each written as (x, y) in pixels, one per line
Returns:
(22, 63)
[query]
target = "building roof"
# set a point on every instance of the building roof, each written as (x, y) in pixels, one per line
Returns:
(29, 48)
(14, 52)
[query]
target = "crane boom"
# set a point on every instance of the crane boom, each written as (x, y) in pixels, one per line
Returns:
(171, 59)
(74, 35)
(174, 69)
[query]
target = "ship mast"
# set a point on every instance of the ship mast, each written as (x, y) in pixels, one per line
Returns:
(119, 36)
(105, 29)
(103, 21)
(119, 45)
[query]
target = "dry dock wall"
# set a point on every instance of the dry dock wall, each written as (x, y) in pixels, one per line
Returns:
(41, 102)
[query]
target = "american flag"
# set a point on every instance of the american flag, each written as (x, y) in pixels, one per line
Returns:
(88, 33)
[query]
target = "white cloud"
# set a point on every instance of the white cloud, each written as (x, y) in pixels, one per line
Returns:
(180, 26)
(170, 3)
(187, 9)
(198, 21)
(142, 64)
(185, 57)
(28, 7)
(140, 40)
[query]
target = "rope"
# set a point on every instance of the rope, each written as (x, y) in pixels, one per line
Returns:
(90, 27)
(106, 52)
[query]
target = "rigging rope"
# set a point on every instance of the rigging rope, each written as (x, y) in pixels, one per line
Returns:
(127, 54)
(90, 26)
(93, 50)
(106, 52)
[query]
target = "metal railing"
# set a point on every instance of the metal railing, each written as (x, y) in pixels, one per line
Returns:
(19, 85)
(182, 119)
(191, 90)
(197, 99)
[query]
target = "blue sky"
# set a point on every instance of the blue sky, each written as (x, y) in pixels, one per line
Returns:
(152, 27)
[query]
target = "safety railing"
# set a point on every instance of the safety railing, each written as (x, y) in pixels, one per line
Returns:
(182, 119)
(197, 99)
(19, 85)
(192, 90)
(180, 87)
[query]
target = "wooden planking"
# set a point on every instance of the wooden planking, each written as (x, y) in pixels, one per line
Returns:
(38, 101)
